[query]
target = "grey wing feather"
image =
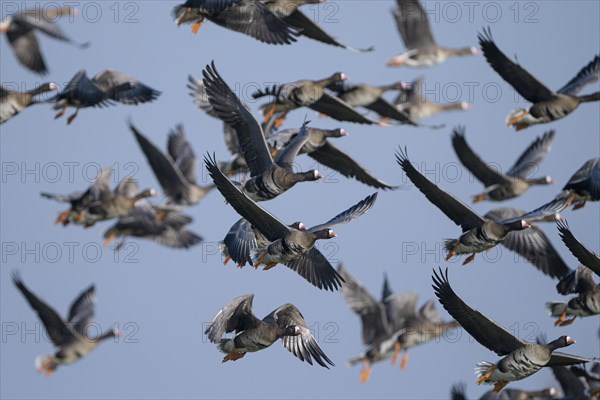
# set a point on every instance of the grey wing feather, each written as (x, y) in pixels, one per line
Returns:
(483, 171)
(181, 152)
(261, 219)
(81, 313)
(487, 332)
(255, 19)
(287, 156)
(198, 93)
(240, 242)
(334, 158)
(531, 244)
(236, 316)
(532, 156)
(413, 25)
(56, 328)
(515, 75)
(339, 110)
(303, 346)
(178, 238)
(230, 109)
(309, 28)
(582, 253)
(371, 312)
(385, 109)
(27, 49)
(559, 358)
(315, 268)
(588, 75)
(167, 173)
(134, 91)
(346, 216)
(399, 307)
(448, 204)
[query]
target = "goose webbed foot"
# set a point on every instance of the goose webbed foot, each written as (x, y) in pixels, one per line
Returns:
(499, 386)
(486, 375)
(365, 374)
(196, 26)
(233, 356)
(469, 259)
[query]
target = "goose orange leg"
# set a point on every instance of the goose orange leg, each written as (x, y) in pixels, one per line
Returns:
(196, 26)
(269, 266)
(63, 217)
(469, 259)
(517, 119)
(269, 113)
(561, 318)
(567, 322)
(404, 360)
(478, 198)
(61, 113)
(365, 374)
(109, 240)
(396, 353)
(486, 375)
(72, 117)
(226, 260)
(280, 119)
(452, 252)
(500, 385)
(233, 356)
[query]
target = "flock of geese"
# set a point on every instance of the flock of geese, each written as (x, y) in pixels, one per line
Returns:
(265, 155)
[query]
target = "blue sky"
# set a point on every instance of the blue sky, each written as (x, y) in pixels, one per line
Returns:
(162, 299)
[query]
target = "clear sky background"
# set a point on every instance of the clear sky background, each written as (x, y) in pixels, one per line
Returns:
(162, 299)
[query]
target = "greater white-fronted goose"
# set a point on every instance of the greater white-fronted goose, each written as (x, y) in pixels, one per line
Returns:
(81, 202)
(20, 31)
(176, 170)
(458, 393)
(268, 178)
(242, 241)
(584, 185)
(547, 105)
(422, 50)
(581, 281)
(117, 203)
(391, 324)
(69, 336)
(250, 17)
(253, 334)
(370, 97)
(319, 148)
(413, 102)
(311, 94)
(13, 102)
(501, 186)
(531, 244)
(520, 359)
(101, 91)
(100, 202)
(378, 332)
(479, 233)
(163, 226)
(289, 12)
(289, 246)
